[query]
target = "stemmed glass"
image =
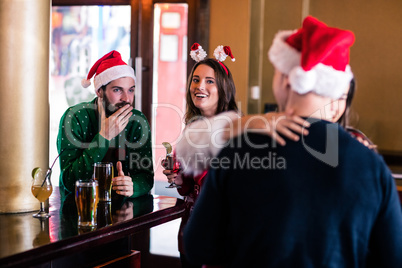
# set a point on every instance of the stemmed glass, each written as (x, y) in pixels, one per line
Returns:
(170, 163)
(42, 187)
(41, 190)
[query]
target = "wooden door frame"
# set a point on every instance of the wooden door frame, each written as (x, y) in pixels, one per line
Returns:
(198, 31)
(142, 14)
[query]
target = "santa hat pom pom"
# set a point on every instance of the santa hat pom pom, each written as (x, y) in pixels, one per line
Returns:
(85, 83)
(302, 81)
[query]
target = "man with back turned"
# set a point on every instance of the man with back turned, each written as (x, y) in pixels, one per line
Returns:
(331, 202)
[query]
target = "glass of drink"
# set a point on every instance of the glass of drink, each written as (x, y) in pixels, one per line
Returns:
(42, 189)
(86, 199)
(103, 174)
(170, 163)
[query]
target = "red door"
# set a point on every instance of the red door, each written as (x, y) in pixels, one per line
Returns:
(170, 71)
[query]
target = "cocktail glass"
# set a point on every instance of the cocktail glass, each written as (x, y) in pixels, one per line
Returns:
(41, 189)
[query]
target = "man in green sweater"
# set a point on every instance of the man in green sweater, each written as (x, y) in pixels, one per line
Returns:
(107, 129)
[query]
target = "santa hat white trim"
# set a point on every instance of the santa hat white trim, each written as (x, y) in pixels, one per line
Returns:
(111, 74)
(283, 56)
(322, 79)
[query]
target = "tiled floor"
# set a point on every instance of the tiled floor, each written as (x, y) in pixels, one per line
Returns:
(164, 237)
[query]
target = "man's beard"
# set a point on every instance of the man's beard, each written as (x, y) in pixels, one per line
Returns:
(112, 108)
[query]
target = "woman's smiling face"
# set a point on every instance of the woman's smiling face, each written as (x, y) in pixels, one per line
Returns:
(203, 89)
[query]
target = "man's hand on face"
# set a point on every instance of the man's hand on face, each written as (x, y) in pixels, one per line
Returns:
(111, 126)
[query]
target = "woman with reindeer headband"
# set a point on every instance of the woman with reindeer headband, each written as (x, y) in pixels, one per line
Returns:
(210, 91)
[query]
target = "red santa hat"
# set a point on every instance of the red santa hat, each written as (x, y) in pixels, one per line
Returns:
(315, 57)
(108, 68)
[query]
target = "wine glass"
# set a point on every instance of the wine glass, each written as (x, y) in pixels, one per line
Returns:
(170, 163)
(41, 189)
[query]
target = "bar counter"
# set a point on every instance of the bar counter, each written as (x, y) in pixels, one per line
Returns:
(58, 242)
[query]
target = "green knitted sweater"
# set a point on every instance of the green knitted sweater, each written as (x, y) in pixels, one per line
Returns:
(83, 146)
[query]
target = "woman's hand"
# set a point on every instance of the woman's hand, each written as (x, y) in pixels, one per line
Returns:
(272, 124)
(173, 176)
(362, 138)
(122, 184)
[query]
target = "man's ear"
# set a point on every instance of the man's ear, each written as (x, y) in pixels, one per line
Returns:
(287, 87)
(99, 92)
(334, 109)
(285, 82)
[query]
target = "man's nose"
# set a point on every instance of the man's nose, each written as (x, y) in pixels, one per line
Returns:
(124, 97)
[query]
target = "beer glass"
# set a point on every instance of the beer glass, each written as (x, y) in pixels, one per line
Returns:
(103, 174)
(86, 199)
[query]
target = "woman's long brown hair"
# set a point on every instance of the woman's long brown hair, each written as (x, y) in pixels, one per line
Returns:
(226, 90)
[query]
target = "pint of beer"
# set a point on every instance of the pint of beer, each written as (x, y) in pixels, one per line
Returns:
(103, 174)
(86, 199)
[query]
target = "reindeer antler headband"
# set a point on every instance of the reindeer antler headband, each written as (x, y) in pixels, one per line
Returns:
(198, 54)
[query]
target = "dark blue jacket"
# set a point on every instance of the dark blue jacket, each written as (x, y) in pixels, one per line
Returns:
(325, 201)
